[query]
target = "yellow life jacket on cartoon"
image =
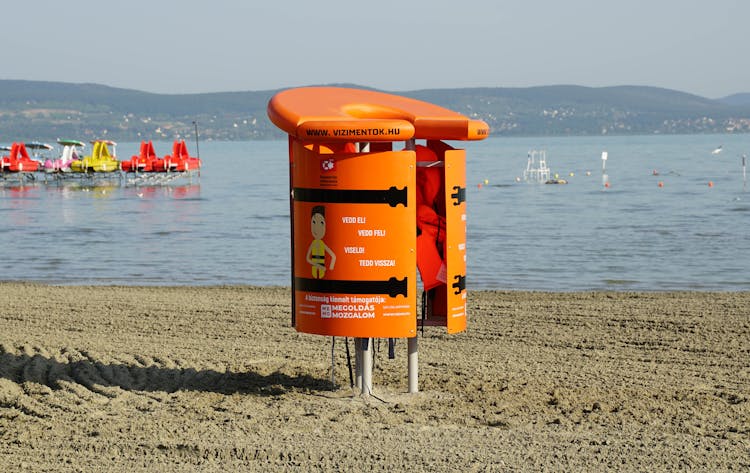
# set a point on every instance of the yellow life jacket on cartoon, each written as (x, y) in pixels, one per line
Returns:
(318, 256)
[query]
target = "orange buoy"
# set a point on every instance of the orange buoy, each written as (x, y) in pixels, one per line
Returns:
(710, 183)
(661, 183)
(606, 184)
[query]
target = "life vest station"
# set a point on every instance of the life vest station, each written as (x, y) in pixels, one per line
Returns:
(376, 196)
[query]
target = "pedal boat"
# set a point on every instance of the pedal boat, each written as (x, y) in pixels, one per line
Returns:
(18, 160)
(145, 160)
(100, 159)
(68, 154)
(179, 161)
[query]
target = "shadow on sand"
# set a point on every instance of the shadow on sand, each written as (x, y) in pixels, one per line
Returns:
(102, 377)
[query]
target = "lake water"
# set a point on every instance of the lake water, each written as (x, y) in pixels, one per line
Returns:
(231, 225)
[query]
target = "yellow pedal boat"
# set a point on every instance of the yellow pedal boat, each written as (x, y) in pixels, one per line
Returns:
(100, 159)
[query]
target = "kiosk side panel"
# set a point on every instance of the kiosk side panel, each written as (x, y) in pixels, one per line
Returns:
(455, 216)
(354, 242)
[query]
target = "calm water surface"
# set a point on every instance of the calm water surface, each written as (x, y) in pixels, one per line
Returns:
(231, 226)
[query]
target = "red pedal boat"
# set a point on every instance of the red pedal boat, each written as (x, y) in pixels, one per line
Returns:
(145, 160)
(18, 160)
(179, 161)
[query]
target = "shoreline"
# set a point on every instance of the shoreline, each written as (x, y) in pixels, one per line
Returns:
(13, 282)
(172, 378)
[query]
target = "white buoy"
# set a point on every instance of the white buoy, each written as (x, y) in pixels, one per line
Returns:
(744, 175)
(605, 177)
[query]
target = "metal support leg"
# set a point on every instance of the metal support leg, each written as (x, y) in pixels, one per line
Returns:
(413, 365)
(358, 363)
(333, 363)
(366, 366)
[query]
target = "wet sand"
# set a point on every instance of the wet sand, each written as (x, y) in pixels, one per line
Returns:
(123, 379)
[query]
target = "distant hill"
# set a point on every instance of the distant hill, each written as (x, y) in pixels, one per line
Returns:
(576, 110)
(737, 99)
(47, 110)
(34, 110)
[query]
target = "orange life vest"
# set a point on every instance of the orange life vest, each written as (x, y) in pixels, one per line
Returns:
(430, 220)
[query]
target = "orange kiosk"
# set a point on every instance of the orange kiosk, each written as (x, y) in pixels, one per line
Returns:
(371, 207)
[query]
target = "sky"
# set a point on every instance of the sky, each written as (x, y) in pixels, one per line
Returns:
(193, 46)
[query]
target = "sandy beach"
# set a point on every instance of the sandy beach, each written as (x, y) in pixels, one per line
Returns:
(177, 379)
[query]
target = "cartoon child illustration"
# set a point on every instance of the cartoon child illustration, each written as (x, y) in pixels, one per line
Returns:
(316, 253)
